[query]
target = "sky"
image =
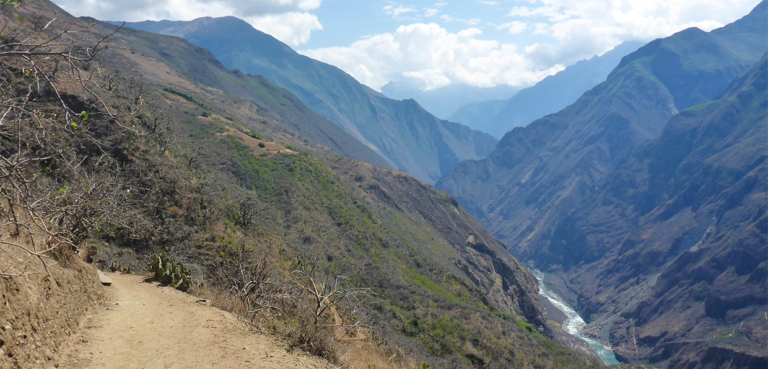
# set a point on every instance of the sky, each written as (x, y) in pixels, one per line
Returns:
(435, 43)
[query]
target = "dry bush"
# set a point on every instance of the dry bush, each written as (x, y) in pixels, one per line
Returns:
(373, 355)
(47, 197)
(65, 126)
(305, 306)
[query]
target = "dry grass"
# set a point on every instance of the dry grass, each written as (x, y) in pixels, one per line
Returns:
(368, 355)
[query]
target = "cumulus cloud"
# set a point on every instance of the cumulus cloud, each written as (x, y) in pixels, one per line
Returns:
(576, 30)
(584, 28)
(291, 28)
(289, 21)
(434, 57)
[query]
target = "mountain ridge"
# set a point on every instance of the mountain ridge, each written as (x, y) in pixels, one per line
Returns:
(445, 101)
(288, 109)
(399, 131)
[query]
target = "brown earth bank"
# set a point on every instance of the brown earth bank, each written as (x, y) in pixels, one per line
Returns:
(40, 310)
(144, 325)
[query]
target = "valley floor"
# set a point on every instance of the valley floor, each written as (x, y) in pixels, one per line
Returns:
(148, 326)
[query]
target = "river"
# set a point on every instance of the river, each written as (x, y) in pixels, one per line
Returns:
(574, 323)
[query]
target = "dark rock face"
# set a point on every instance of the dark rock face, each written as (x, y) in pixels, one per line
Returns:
(698, 212)
(655, 228)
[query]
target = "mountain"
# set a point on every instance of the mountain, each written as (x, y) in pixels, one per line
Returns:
(445, 101)
(634, 215)
(538, 171)
(478, 115)
(276, 103)
(552, 94)
(403, 132)
(223, 171)
(687, 215)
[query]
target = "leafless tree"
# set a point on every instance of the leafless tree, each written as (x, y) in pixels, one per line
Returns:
(247, 210)
(328, 293)
(266, 291)
(57, 177)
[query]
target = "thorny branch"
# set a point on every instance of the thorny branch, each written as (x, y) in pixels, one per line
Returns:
(57, 181)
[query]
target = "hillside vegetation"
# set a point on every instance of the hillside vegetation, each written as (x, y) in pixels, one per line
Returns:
(229, 175)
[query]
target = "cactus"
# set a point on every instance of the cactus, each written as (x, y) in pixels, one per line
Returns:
(170, 272)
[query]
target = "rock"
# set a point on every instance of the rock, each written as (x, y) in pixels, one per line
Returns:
(471, 240)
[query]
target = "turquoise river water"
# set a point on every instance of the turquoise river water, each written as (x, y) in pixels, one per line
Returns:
(574, 323)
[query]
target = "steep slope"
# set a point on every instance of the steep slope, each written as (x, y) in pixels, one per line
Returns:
(537, 174)
(549, 96)
(683, 221)
(220, 179)
(200, 66)
(413, 140)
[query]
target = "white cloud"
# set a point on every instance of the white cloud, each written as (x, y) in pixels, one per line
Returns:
(291, 28)
(471, 22)
(584, 28)
(435, 58)
(566, 31)
(287, 20)
(396, 9)
(513, 27)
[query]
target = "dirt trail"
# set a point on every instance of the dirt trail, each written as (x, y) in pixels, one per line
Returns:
(147, 326)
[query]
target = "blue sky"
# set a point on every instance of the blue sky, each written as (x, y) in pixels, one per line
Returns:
(341, 20)
(436, 43)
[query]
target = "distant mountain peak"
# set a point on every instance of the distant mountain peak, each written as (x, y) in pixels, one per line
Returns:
(550, 95)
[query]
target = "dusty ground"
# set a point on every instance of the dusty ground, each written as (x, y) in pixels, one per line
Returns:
(147, 326)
